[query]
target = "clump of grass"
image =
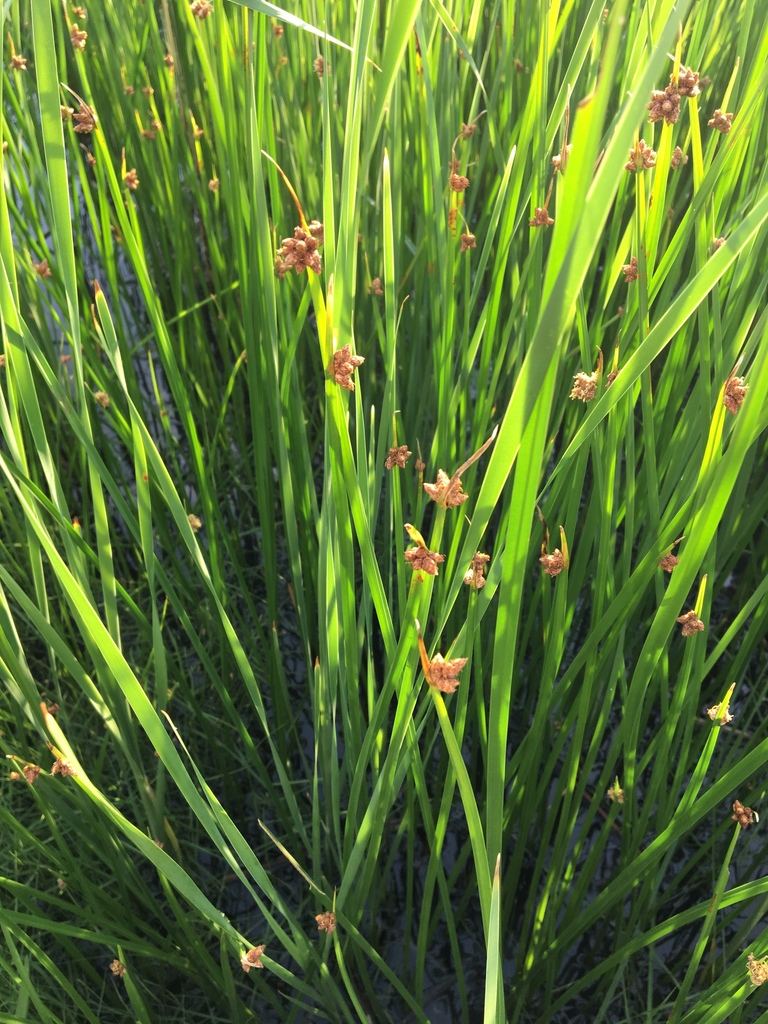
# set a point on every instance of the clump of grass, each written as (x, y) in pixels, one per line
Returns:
(531, 245)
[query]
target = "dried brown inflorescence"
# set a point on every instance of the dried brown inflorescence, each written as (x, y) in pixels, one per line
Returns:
(687, 82)
(422, 559)
(343, 365)
(195, 522)
(458, 182)
(691, 623)
(320, 67)
(131, 179)
(541, 218)
(326, 922)
(641, 157)
(584, 386)
(714, 714)
(252, 958)
(745, 816)
(62, 767)
(375, 286)
(42, 269)
(443, 674)
(678, 157)
(397, 457)
(720, 122)
(447, 491)
(31, 773)
(630, 271)
(201, 8)
(300, 251)
(468, 241)
(85, 118)
(669, 562)
(733, 396)
(553, 563)
(474, 577)
(78, 37)
(18, 63)
(118, 968)
(664, 105)
(758, 969)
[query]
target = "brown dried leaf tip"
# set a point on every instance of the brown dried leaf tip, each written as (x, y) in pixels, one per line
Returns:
(300, 251)
(62, 767)
(758, 969)
(691, 623)
(468, 241)
(553, 564)
(669, 562)
(629, 270)
(474, 576)
(397, 457)
(201, 8)
(641, 157)
(78, 37)
(118, 968)
(541, 218)
(745, 816)
(733, 396)
(720, 122)
(442, 674)
(664, 105)
(678, 157)
(326, 922)
(252, 958)
(86, 120)
(343, 366)
(584, 386)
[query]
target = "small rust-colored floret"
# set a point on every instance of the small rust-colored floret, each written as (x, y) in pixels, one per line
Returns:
(641, 157)
(468, 241)
(541, 218)
(18, 63)
(720, 122)
(131, 179)
(735, 390)
(300, 251)
(687, 82)
(118, 968)
(669, 562)
(326, 922)
(78, 37)
(678, 157)
(397, 457)
(85, 118)
(252, 958)
(584, 386)
(62, 767)
(554, 563)
(629, 270)
(42, 269)
(474, 577)
(745, 816)
(343, 365)
(442, 674)
(201, 8)
(691, 623)
(758, 969)
(458, 182)
(664, 105)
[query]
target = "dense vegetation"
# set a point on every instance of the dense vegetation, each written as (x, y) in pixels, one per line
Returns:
(301, 311)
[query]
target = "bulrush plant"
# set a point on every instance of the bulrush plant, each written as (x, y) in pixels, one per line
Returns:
(264, 760)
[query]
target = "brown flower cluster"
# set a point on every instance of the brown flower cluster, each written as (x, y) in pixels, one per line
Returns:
(553, 564)
(735, 390)
(720, 122)
(131, 179)
(421, 558)
(252, 958)
(78, 37)
(687, 82)
(299, 252)
(118, 968)
(85, 118)
(397, 457)
(42, 269)
(475, 577)
(691, 623)
(326, 922)
(745, 816)
(446, 491)
(678, 157)
(320, 67)
(468, 241)
(375, 286)
(343, 365)
(62, 767)
(541, 218)
(669, 562)
(714, 714)
(758, 969)
(629, 270)
(584, 386)
(201, 8)
(664, 105)
(641, 157)
(442, 674)
(458, 182)
(18, 63)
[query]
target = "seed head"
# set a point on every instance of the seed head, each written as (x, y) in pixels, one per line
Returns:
(541, 218)
(474, 577)
(678, 157)
(397, 457)
(745, 816)
(320, 66)
(86, 120)
(343, 365)
(714, 714)
(446, 491)
(442, 674)
(195, 522)
(554, 563)
(118, 968)
(758, 969)
(131, 179)
(668, 563)
(720, 122)
(664, 105)
(468, 241)
(584, 386)
(201, 8)
(691, 623)
(31, 773)
(169, 62)
(78, 37)
(641, 157)
(252, 958)
(102, 398)
(687, 82)
(18, 63)
(326, 922)
(458, 182)
(317, 230)
(375, 286)
(300, 251)
(213, 185)
(629, 270)
(62, 767)
(42, 269)
(735, 390)
(422, 559)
